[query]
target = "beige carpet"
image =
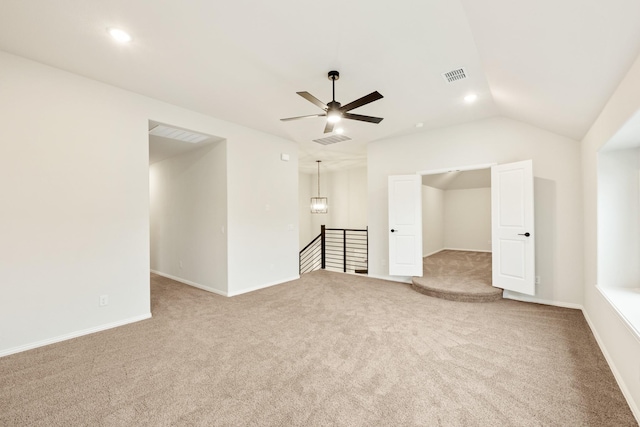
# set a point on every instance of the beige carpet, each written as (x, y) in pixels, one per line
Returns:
(329, 349)
(458, 276)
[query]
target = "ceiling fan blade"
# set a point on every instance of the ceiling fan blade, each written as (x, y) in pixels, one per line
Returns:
(313, 99)
(303, 117)
(373, 96)
(329, 127)
(369, 119)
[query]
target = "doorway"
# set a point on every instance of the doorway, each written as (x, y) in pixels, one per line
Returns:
(187, 206)
(456, 211)
(456, 235)
(512, 222)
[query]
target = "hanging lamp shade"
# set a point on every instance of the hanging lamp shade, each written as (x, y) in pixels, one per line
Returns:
(319, 205)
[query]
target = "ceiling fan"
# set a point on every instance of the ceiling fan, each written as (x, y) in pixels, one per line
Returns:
(334, 111)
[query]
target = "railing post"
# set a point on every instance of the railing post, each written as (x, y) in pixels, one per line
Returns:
(322, 247)
(344, 251)
(367, 234)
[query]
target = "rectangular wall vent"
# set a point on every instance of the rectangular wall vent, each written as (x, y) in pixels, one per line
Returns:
(455, 75)
(332, 139)
(179, 134)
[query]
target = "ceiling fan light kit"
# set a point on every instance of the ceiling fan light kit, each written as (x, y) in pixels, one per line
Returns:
(334, 111)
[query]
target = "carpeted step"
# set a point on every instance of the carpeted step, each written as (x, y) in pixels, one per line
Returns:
(467, 292)
(458, 276)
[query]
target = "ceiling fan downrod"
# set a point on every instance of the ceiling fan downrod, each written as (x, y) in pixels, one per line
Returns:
(333, 76)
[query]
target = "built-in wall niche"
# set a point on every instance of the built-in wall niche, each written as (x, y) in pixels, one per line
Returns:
(619, 221)
(456, 211)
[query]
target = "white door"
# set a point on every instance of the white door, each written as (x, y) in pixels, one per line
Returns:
(405, 225)
(513, 236)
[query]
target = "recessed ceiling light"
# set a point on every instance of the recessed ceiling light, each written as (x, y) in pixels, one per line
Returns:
(339, 131)
(119, 35)
(472, 97)
(419, 125)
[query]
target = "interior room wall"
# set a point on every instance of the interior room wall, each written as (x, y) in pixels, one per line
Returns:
(349, 191)
(432, 220)
(556, 169)
(346, 190)
(262, 216)
(304, 197)
(620, 344)
(75, 216)
(188, 210)
(619, 218)
(467, 219)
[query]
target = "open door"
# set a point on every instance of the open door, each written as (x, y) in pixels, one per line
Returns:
(513, 236)
(405, 225)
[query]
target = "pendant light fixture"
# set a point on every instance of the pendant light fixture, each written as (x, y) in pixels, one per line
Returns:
(319, 205)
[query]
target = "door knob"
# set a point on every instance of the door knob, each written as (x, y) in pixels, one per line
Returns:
(393, 230)
(527, 234)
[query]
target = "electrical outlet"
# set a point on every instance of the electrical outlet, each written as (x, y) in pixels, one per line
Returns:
(104, 300)
(537, 280)
(180, 263)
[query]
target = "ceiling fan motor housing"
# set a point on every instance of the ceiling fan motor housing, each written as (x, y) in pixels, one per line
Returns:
(333, 105)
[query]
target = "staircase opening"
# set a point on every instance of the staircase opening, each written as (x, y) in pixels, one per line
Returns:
(344, 250)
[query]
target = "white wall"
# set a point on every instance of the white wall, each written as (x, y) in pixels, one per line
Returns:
(346, 191)
(432, 220)
(556, 168)
(74, 179)
(304, 214)
(188, 212)
(619, 343)
(467, 219)
(618, 218)
(262, 194)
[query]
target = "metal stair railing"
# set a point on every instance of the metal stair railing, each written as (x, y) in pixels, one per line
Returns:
(337, 249)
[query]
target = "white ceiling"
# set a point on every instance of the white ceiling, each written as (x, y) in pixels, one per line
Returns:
(550, 63)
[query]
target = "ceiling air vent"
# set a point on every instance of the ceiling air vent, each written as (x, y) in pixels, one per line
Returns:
(332, 139)
(179, 134)
(455, 75)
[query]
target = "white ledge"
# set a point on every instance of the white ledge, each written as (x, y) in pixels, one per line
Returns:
(626, 302)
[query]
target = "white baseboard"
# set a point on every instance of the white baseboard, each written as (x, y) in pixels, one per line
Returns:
(526, 298)
(190, 283)
(466, 250)
(219, 292)
(433, 253)
(266, 285)
(399, 279)
(75, 334)
(623, 386)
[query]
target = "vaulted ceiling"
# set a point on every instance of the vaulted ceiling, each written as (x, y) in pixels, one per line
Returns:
(550, 63)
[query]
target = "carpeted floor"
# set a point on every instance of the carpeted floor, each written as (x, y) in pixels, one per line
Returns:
(328, 349)
(458, 276)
